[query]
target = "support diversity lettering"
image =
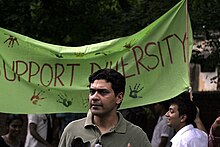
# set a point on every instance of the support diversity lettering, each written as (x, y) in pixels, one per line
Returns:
(57, 72)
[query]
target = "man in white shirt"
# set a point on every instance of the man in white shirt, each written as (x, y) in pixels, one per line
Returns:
(181, 116)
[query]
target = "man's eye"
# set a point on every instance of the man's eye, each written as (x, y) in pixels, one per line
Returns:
(171, 111)
(92, 91)
(100, 91)
(103, 92)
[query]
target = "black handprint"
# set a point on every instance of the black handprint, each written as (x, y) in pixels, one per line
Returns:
(64, 100)
(134, 92)
(11, 40)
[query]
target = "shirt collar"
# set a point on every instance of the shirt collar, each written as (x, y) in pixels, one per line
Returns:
(120, 127)
(181, 131)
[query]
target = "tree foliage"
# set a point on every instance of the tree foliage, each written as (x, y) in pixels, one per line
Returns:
(205, 13)
(75, 22)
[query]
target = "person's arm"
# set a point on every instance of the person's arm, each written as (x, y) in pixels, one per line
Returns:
(198, 122)
(163, 141)
(56, 130)
(35, 134)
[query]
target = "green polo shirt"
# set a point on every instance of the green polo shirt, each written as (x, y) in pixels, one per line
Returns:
(124, 133)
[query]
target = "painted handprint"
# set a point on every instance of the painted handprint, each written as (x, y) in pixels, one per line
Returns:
(36, 97)
(134, 92)
(130, 44)
(63, 99)
(11, 40)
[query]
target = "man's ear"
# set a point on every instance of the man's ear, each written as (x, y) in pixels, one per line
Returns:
(183, 118)
(119, 97)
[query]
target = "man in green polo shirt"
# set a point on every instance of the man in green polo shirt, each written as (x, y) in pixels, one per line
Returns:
(104, 126)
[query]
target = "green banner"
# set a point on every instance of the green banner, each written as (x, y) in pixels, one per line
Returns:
(37, 77)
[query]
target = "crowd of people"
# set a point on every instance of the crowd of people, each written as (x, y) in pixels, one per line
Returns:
(178, 122)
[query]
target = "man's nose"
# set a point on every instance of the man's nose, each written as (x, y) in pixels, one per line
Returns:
(95, 95)
(167, 114)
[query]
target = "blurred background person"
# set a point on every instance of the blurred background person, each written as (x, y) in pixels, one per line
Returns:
(214, 135)
(39, 131)
(14, 124)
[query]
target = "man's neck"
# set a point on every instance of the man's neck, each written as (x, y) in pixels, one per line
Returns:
(180, 127)
(106, 123)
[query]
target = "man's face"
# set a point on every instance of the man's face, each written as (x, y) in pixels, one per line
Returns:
(173, 118)
(102, 99)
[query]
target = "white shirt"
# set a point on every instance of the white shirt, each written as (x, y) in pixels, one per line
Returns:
(41, 121)
(189, 136)
(161, 130)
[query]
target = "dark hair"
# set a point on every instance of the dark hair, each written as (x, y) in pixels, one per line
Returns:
(185, 106)
(116, 79)
(165, 104)
(13, 117)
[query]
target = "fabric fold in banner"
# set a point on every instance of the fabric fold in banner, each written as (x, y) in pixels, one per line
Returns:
(37, 77)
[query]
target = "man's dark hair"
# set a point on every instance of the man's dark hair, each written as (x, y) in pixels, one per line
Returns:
(116, 79)
(185, 107)
(165, 104)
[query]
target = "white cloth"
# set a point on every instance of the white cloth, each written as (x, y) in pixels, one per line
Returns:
(189, 136)
(161, 130)
(41, 121)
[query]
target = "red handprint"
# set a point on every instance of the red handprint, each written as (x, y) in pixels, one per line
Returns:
(36, 98)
